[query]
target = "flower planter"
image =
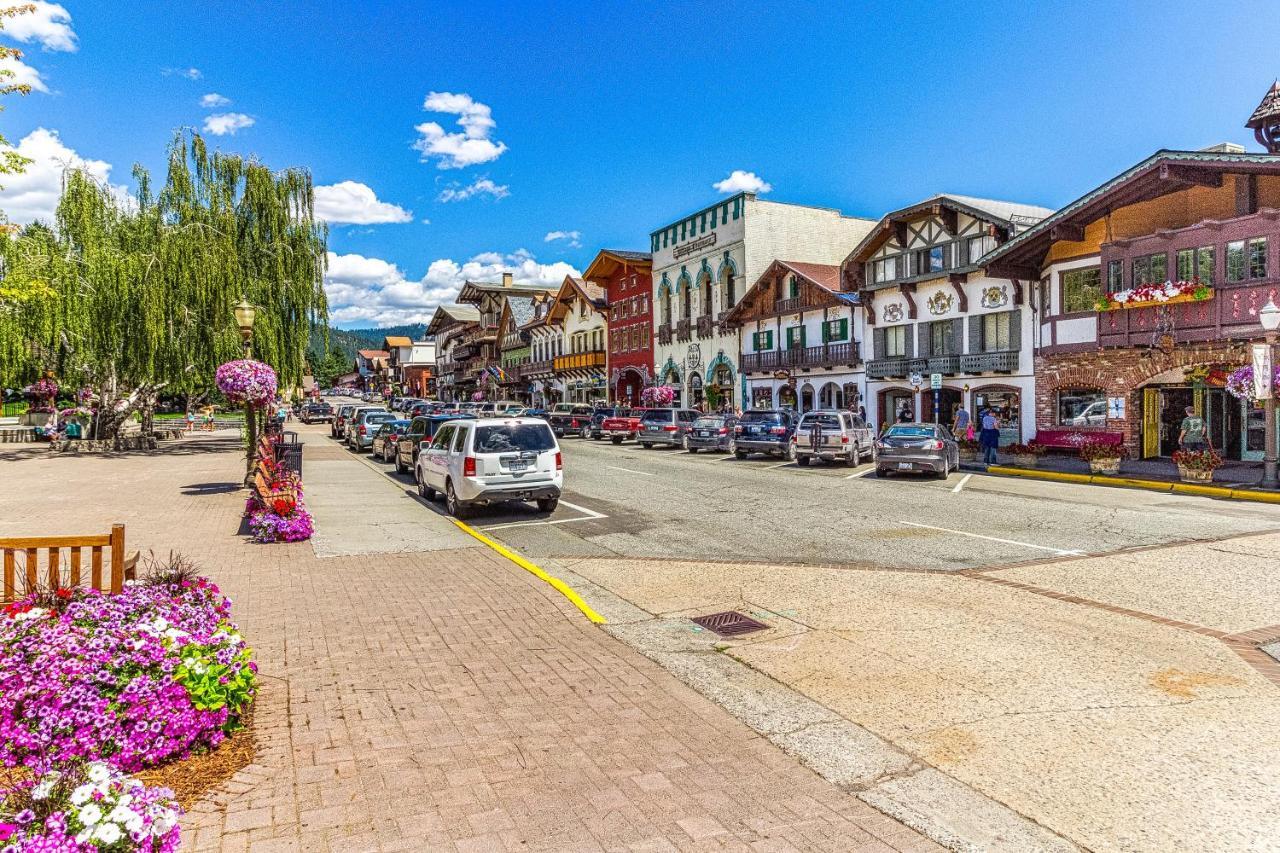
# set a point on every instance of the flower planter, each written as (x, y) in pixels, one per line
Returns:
(1107, 467)
(968, 455)
(1026, 460)
(1195, 475)
(1172, 300)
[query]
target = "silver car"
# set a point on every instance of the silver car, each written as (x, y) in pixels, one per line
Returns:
(833, 435)
(363, 426)
(666, 426)
(917, 447)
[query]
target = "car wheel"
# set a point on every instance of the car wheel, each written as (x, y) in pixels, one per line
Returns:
(399, 463)
(946, 470)
(802, 461)
(585, 434)
(731, 447)
(617, 439)
(739, 454)
(426, 492)
(548, 504)
(790, 453)
(647, 445)
(688, 448)
(456, 508)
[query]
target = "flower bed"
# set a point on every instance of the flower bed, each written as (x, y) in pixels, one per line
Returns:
(1146, 295)
(279, 514)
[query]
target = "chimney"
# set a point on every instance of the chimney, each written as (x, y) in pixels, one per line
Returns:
(506, 279)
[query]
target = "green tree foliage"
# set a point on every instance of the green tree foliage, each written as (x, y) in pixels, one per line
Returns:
(143, 288)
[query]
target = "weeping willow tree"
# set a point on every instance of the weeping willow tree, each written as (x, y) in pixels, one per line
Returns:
(142, 289)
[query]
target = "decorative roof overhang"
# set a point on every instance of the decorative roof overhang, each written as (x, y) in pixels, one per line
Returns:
(574, 288)
(818, 280)
(894, 224)
(1160, 174)
(609, 261)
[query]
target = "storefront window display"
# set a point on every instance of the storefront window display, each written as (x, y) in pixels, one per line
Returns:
(1006, 403)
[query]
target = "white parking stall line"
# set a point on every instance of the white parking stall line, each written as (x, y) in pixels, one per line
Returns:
(589, 513)
(960, 485)
(864, 472)
(629, 470)
(779, 465)
(1059, 551)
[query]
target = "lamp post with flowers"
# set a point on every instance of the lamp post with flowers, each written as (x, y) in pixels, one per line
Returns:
(1269, 317)
(245, 314)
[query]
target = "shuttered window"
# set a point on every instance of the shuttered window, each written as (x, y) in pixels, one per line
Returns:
(795, 337)
(762, 341)
(835, 330)
(895, 342)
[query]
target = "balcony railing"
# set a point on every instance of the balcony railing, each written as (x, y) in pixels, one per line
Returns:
(539, 368)
(664, 334)
(947, 365)
(828, 355)
(580, 361)
(480, 333)
(706, 326)
(683, 330)
(990, 362)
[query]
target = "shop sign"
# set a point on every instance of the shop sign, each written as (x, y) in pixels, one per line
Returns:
(1262, 371)
(781, 375)
(688, 249)
(916, 380)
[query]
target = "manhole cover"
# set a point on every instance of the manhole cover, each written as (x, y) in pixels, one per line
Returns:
(730, 623)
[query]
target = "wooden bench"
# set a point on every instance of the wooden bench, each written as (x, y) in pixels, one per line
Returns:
(261, 478)
(122, 567)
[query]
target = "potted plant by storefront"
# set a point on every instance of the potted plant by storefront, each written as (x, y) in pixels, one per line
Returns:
(1197, 466)
(970, 450)
(1103, 458)
(1025, 455)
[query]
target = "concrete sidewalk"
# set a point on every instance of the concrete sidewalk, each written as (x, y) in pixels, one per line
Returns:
(439, 699)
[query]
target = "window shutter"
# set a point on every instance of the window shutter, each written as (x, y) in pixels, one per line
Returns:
(1015, 329)
(925, 330)
(975, 334)
(877, 342)
(957, 335)
(909, 341)
(768, 340)
(802, 337)
(962, 252)
(826, 335)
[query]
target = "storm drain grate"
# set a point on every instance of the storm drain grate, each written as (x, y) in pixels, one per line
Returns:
(730, 623)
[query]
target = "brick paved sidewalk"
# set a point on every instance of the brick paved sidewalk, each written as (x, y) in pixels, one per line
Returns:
(443, 700)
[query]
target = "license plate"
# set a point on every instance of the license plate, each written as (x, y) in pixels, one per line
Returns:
(753, 430)
(518, 466)
(904, 466)
(703, 433)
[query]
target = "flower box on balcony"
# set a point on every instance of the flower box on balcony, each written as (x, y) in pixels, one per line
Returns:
(1148, 295)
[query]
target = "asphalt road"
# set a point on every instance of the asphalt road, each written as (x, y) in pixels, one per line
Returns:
(627, 501)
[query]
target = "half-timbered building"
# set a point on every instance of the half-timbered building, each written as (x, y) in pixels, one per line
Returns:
(448, 327)
(934, 315)
(578, 314)
(626, 278)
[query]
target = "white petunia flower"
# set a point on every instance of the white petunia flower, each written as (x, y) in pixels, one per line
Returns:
(90, 814)
(81, 795)
(98, 772)
(42, 791)
(107, 833)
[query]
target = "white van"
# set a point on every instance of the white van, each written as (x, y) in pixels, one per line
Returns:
(491, 460)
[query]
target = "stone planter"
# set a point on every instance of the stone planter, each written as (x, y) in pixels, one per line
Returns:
(124, 443)
(1026, 460)
(1192, 475)
(1108, 467)
(969, 455)
(35, 419)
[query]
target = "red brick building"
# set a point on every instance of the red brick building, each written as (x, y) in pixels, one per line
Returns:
(627, 280)
(1113, 358)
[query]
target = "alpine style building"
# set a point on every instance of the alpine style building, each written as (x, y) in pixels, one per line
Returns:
(626, 278)
(703, 263)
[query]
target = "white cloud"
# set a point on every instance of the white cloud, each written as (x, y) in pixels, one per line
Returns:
(740, 181)
(371, 291)
(20, 73)
(189, 73)
(572, 237)
(49, 24)
(354, 203)
(458, 150)
(33, 194)
(483, 186)
(221, 124)
(213, 99)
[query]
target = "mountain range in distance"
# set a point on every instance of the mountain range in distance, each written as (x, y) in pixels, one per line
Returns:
(347, 341)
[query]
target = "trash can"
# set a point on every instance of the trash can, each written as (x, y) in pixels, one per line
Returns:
(289, 454)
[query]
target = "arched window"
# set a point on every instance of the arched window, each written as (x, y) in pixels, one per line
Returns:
(686, 296)
(728, 283)
(666, 307)
(704, 283)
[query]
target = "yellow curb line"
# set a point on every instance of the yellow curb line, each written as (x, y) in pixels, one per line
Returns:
(1130, 482)
(559, 585)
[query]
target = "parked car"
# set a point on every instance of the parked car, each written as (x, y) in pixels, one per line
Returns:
(666, 426)
(623, 425)
(567, 418)
(338, 426)
(766, 431)
(712, 432)
(595, 427)
(535, 412)
(386, 437)
(917, 447)
(421, 430)
(363, 424)
(315, 413)
(831, 435)
(491, 460)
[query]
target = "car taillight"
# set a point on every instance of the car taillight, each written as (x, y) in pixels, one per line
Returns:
(938, 445)
(724, 430)
(778, 430)
(469, 466)
(362, 429)
(575, 423)
(670, 428)
(844, 439)
(737, 430)
(559, 461)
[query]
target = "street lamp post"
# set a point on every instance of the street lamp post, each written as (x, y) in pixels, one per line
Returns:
(1269, 317)
(244, 314)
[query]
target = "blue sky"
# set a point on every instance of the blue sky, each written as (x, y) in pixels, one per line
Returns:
(607, 120)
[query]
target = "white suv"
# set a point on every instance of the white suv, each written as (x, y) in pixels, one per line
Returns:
(491, 460)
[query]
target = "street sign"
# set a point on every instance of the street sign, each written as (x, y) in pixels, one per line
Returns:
(916, 380)
(935, 381)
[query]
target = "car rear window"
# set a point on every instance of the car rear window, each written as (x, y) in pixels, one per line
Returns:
(513, 438)
(708, 423)
(659, 416)
(762, 417)
(826, 419)
(911, 432)
(397, 425)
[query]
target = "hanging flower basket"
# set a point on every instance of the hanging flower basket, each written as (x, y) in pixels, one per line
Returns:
(247, 382)
(1147, 295)
(41, 389)
(658, 396)
(1240, 382)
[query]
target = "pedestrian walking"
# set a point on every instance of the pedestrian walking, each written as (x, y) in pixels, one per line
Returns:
(191, 421)
(989, 438)
(960, 424)
(208, 421)
(1191, 435)
(904, 416)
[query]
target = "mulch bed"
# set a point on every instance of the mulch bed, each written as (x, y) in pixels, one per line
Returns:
(194, 777)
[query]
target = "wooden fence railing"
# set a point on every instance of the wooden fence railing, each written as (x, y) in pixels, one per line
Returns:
(108, 565)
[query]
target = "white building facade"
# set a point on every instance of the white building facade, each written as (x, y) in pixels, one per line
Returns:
(933, 317)
(702, 265)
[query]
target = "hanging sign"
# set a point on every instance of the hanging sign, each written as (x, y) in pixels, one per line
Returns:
(1262, 371)
(916, 380)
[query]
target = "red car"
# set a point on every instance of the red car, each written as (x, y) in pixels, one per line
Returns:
(622, 427)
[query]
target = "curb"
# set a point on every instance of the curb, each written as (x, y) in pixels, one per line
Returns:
(555, 582)
(1223, 492)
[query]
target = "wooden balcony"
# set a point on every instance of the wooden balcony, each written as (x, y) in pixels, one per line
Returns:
(580, 361)
(538, 368)
(706, 326)
(1232, 314)
(829, 355)
(684, 330)
(1004, 361)
(480, 334)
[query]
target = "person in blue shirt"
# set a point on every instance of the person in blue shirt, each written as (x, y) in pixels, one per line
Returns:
(989, 437)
